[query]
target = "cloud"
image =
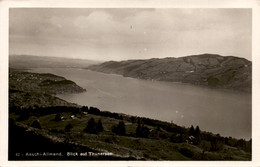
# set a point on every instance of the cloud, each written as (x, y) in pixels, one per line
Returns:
(98, 20)
(56, 21)
(134, 33)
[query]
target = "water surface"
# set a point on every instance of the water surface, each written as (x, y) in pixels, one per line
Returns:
(225, 112)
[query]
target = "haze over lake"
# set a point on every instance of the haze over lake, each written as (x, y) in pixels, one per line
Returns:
(219, 111)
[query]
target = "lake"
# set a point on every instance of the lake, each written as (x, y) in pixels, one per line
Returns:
(219, 111)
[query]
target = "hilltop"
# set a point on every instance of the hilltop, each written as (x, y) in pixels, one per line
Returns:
(211, 70)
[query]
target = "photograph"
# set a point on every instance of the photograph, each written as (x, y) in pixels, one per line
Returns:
(130, 84)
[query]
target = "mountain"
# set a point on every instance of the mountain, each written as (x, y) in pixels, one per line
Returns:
(211, 70)
(28, 61)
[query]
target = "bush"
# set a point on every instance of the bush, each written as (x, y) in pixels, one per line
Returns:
(205, 146)
(111, 139)
(186, 152)
(23, 116)
(212, 81)
(215, 144)
(68, 127)
(176, 138)
(57, 117)
(36, 124)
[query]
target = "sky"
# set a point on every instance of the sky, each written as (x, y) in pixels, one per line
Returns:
(130, 33)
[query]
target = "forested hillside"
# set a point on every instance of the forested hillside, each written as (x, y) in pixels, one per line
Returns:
(207, 69)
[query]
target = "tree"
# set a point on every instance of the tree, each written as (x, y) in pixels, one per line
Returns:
(36, 124)
(213, 81)
(68, 127)
(85, 108)
(91, 127)
(213, 145)
(132, 119)
(145, 131)
(187, 152)
(138, 130)
(197, 134)
(197, 131)
(57, 117)
(216, 144)
(191, 131)
(205, 147)
(142, 131)
(176, 138)
(241, 143)
(119, 129)
(23, 116)
(94, 110)
(100, 127)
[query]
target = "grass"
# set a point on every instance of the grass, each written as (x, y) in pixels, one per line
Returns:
(106, 141)
(127, 146)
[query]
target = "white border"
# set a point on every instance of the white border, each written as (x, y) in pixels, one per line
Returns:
(4, 7)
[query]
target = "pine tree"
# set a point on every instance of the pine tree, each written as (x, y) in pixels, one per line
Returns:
(197, 134)
(91, 127)
(120, 128)
(138, 130)
(191, 131)
(145, 131)
(142, 131)
(132, 119)
(100, 127)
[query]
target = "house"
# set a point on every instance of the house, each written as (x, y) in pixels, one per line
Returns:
(190, 139)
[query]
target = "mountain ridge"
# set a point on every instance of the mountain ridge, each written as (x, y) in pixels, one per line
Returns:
(32, 61)
(213, 70)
